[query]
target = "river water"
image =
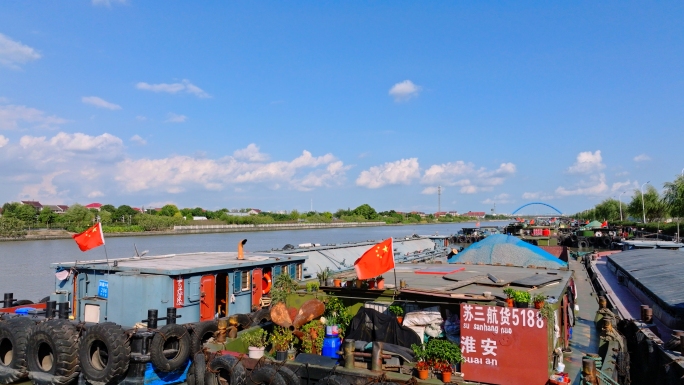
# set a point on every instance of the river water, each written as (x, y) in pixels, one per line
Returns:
(25, 265)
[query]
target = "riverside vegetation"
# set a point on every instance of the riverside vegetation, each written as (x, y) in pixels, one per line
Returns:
(17, 219)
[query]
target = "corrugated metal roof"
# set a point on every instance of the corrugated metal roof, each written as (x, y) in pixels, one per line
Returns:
(657, 271)
(177, 264)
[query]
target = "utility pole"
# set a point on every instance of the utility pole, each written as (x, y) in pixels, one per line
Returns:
(439, 199)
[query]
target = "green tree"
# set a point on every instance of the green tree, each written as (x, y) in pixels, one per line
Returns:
(26, 213)
(9, 209)
(169, 211)
(653, 205)
(109, 208)
(366, 212)
(673, 197)
(123, 212)
(608, 210)
(105, 217)
(46, 216)
(11, 227)
(294, 215)
(78, 216)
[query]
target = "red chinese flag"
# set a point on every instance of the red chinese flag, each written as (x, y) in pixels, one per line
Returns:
(604, 224)
(377, 260)
(90, 238)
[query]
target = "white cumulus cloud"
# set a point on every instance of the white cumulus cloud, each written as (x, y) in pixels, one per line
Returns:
(467, 176)
(174, 88)
(99, 102)
(500, 199)
(138, 139)
(3, 141)
(617, 186)
(176, 118)
(400, 172)
(431, 190)
(404, 91)
(595, 186)
(11, 116)
(642, 158)
(250, 153)
(587, 162)
(14, 53)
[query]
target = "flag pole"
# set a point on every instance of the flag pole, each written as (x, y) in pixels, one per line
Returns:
(394, 269)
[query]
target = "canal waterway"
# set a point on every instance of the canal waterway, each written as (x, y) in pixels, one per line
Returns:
(25, 266)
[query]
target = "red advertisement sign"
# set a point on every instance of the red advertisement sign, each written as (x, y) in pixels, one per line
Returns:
(504, 345)
(178, 292)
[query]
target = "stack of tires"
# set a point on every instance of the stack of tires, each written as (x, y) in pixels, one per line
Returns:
(57, 351)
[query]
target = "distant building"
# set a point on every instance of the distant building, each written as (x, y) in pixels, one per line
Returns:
(453, 213)
(476, 214)
(199, 218)
(57, 209)
(96, 206)
(440, 214)
(36, 205)
(254, 212)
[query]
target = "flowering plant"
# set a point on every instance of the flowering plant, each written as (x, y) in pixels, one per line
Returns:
(422, 365)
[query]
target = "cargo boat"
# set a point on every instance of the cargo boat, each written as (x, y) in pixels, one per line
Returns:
(114, 337)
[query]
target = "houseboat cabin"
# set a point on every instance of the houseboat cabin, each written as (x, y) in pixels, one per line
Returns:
(199, 286)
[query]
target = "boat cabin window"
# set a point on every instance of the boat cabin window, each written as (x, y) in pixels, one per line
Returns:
(276, 271)
(299, 272)
(246, 281)
(293, 270)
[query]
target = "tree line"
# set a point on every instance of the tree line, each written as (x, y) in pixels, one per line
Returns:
(655, 206)
(17, 218)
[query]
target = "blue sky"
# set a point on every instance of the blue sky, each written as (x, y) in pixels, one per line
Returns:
(274, 105)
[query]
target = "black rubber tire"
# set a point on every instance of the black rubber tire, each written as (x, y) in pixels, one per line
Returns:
(606, 241)
(228, 368)
(170, 337)
(289, 376)
(104, 353)
(583, 244)
(266, 375)
(333, 380)
(190, 378)
(13, 343)
(201, 332)
(22, 302)
(200, 368)
(52, 353)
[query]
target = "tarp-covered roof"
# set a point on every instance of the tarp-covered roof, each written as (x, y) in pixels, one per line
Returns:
(593, 225)
(506, 249)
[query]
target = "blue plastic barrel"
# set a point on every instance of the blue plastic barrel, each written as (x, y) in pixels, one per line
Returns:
(331, 344)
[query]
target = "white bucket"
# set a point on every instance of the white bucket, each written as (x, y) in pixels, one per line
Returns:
(255, 352)
(561, 367)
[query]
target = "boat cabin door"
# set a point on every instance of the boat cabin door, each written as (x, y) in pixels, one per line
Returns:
(257, 290)
(207, 297)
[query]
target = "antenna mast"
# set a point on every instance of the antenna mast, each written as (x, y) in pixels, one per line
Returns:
(439, 199)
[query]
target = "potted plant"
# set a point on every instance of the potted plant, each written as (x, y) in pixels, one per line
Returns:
(323, 275)
(521, 298)
(371, 283)
(444, 354)
(337, 282)
(546, 311)
(509, 291)
(312, 339)
(398, 312)
(337, 314)
(422, 366)
(380, 282)
(282, 340)
(256, 342)
(359, 283)
(538, 300)
(312, 287)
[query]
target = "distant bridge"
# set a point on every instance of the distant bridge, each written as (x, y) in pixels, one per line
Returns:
(536, 203)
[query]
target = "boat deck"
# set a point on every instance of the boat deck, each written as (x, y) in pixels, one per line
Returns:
(585, 339)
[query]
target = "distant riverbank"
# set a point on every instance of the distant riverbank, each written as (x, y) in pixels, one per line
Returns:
(43, 234)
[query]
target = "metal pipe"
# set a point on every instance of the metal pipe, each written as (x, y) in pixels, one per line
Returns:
(170, 315)
(642, 312)
(376, 357)
(588, 367)
(63, 312)
(50, 307)
(152, 315)
(7, 301)
(348, 354)
(648, 316)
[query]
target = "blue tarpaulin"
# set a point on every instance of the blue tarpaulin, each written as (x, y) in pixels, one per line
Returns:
(506, 249)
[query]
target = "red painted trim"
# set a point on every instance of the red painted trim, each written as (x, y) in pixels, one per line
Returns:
(13, 309)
